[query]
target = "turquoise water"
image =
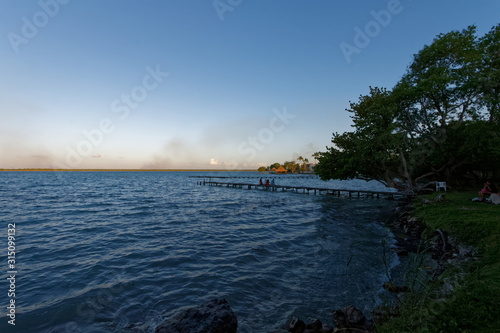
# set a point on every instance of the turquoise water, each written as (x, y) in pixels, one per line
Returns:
(117, 251)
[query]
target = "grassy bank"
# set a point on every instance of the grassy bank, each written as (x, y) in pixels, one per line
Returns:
(472, 304)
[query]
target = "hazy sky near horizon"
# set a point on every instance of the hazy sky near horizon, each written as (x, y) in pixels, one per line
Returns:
(201, 83)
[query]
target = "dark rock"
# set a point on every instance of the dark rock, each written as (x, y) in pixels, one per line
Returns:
(426, 202)
(439, 198)
(402, 252)
(351, 320)
(214, 316)
(465, 251)
(327, 329)
(413, 221)
(314, 325)
(395, 289)
(295, 325)
(339, 318)
(354, 316)
(279, 331)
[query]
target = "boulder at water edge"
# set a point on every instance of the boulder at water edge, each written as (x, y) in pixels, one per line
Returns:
(352, 320)
(214, 316)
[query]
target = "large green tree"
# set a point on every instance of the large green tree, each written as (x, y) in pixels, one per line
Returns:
(489, 78)
(438, 122)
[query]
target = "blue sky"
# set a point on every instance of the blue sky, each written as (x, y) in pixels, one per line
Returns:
(201, 83)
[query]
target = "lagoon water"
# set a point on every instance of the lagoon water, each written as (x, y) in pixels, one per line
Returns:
(118, 251)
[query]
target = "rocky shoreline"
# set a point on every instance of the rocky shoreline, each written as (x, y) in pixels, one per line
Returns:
(412, 238)
(409, 234)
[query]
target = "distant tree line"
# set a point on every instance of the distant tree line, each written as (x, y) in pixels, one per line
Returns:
(439, 122)
(298, 166)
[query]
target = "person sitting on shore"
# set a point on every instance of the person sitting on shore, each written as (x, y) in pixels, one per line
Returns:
(488, 189)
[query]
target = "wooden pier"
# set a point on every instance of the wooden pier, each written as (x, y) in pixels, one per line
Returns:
(266, 176)
(304, 189)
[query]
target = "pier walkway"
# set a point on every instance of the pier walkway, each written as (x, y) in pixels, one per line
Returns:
(267, 176)
(304, 189)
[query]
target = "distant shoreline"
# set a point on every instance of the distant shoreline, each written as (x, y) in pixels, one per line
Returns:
(133, 170)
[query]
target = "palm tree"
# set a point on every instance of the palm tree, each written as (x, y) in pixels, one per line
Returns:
(301, 160)
(303, 167)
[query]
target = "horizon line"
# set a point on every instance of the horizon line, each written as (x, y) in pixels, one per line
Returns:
(135, 170)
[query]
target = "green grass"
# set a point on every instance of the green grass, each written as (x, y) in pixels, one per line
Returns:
(474, 304)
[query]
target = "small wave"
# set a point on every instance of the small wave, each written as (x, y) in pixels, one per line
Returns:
(270, 254)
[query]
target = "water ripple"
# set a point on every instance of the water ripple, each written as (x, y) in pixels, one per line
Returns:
(114, 251)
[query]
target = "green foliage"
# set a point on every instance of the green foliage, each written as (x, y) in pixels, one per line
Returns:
(439, 122)
(290, 166)
(440, 85)
(489, 79)
(371, 152)
(274, 165)
(473, 145)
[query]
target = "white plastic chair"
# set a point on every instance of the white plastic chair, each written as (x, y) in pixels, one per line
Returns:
(440, 185)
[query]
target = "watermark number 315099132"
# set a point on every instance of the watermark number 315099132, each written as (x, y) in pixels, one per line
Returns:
(11, 272)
